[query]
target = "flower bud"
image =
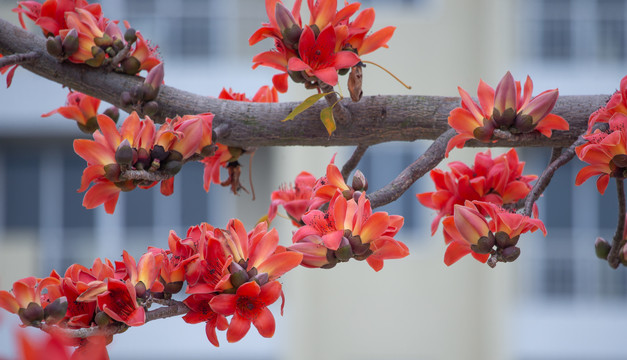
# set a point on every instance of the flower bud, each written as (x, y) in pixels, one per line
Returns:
(153, 81)
(104, 41)
(150, 108)
(140, 290)
(53, 46)
(502, 239)
(484, 244)
(173, 287)
(112, 172)
(363, 256)
(344, 251)
(537, 109)
(511, 253)
(356, 196)
(90, 127)
(102, 319)
(113, 113)
(55, 311)
(70, 43)
(98, 59)
(287, 26)
(261, 279)
(32, 315)
(238, 278)
(359, 181)
(124, 154)
(131, 65)
(602, 248)
(126, 98)
(130, 35)
(296, 76)
(620, 160)
(118, 45)
(505, 97)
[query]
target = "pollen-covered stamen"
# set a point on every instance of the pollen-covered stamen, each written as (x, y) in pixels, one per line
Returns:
(249, 307)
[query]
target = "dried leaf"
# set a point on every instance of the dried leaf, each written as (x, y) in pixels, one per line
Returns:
(326, 115)
(354, 83)
(304, 105)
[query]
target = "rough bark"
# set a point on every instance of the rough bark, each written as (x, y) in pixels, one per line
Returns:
(373, 120)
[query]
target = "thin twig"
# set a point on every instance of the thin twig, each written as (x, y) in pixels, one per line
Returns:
(618, 242)
(352, 163)
(18, 58)
(430, 159)
(117, 59)
(547, 174)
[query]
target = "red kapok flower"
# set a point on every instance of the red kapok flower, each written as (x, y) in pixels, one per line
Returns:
(80, 107)
(295, 200)
(200, 311)
(507, 108)
(318, 57)
(120, 303)
(248, 305)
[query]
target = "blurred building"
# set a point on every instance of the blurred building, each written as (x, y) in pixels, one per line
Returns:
(556, 302)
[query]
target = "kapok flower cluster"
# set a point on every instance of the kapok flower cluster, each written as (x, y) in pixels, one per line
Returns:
(470, 201)
(606, 149)
(138, 145)
(330, 43)
(499, 181)
(229, 272)
(337, 222)
(79, 32)
(506, 108)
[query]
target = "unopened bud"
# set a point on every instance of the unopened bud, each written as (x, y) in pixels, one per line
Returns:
(159, 153)
(502, 239)
(98, 57)
(348, 194)
(359, 181)
(113, 113)
(238, 279)
(130, 35)
(484, 245)
(70, 43)
(356, 196)
(140, 290)
(602, 248)
(124, 154)
(511, 253)
(483, 133)
(296, 76)
(137, 93)
(261, 279)
(118, 45)
(32, 314)
(53, 46)
(150, 108)
(131, 65)
(90, 127)
(344, 251)
(104, 41)
(524, 123)
(126, 98)
(173, 287)
(153, 81)
(102, 319)
(55, 311)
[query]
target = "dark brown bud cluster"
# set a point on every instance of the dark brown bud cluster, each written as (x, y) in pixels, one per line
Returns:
(63, 48)
(239, 276)
(501, 246)
(142, 98)
(350, 247)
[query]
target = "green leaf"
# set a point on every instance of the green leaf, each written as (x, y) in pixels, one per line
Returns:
(326, 115)
(305, 105)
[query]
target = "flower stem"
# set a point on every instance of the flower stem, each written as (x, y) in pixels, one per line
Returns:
(618, 242)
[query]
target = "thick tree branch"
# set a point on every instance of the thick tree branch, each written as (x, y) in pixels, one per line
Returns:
(430, 159)
(374, 119)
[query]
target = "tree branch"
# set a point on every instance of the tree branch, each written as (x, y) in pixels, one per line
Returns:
(174, 308)
(375, 119)
(430, 159)
(557, 161)
(352, 163)
(17, 58)
(618, 242)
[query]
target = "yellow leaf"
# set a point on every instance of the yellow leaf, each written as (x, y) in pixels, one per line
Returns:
(305, 105)
(326, 115)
